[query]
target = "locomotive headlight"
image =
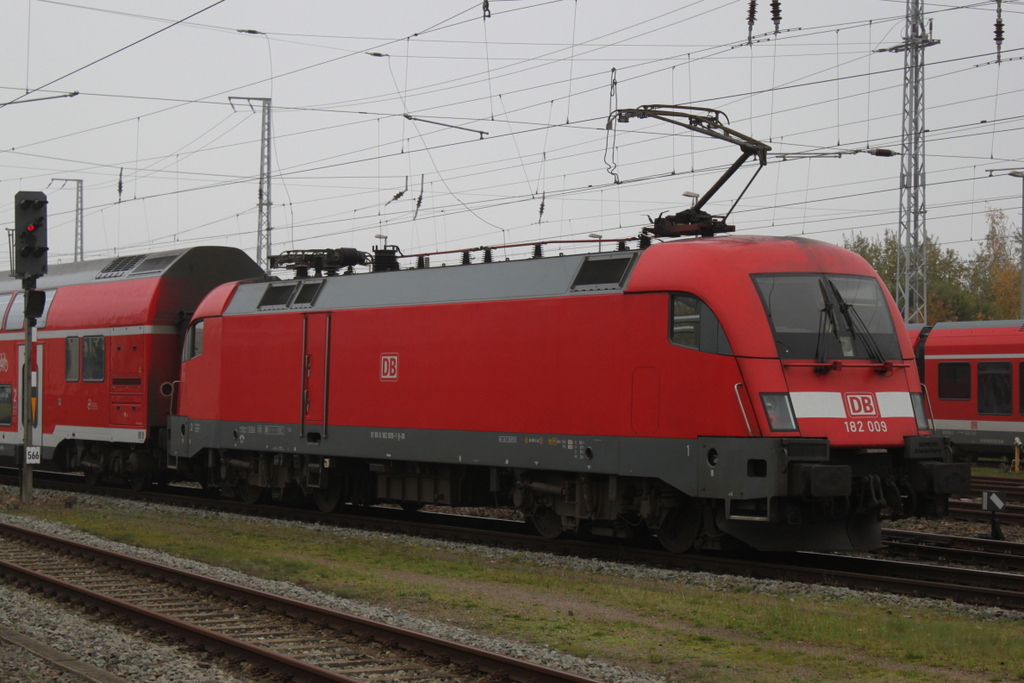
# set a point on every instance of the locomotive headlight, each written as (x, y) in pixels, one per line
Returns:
(922, 418)
(779, 410)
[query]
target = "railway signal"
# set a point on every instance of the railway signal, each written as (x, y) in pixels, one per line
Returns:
(29, 234)
(29, 263)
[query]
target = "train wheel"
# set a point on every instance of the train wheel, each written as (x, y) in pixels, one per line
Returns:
(547, 523)
(209, 489)
(411, 506)
(680, 528)
(92, 477)
(327, 500)
(139, 481)
(249, 494)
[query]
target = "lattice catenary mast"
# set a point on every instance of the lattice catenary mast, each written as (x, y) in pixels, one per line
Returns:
(263, 204)
(79, 217)
(911, 262)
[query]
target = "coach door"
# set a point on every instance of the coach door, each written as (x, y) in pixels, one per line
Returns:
(35, 395)
(316, 337)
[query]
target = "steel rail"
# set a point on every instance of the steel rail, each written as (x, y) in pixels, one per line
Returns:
(1005, 555)
(405, 639)
(922, 580)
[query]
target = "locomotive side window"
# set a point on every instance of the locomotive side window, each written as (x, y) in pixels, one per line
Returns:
(72, 358)
(307, 293)
(93, 358)
(606, 271)
(277, 295)
(6, 404)
(693, 325)
(955, 381)
(194, 340)
(995, 388)
(685, 321)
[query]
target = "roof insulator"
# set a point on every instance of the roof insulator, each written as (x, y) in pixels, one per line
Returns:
(999, 31)
(751, 15)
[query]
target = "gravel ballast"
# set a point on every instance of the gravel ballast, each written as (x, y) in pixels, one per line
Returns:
(131, 657)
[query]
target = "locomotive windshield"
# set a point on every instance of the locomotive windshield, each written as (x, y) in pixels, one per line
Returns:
(826, 317)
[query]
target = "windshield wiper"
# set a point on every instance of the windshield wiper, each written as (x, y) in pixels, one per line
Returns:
(827, 315)
(857, 326)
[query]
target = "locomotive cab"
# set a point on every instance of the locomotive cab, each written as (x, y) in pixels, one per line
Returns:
(834, 434)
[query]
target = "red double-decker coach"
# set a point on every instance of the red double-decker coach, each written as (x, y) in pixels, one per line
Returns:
(106, 354)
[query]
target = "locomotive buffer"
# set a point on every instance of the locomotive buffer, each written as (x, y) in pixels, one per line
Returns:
(29, 263)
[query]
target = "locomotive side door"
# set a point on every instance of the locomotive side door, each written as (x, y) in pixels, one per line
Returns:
(316, 335)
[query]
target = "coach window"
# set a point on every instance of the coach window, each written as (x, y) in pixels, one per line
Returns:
(16, 315)
(6, 404)
(1020, 384)
(41, 320)
(194, 340)
(693, 325)
(995, 388)
(93, 358)
(955, 381)
(72, 358)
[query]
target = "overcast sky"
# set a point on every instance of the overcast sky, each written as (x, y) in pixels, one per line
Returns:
(443, 129)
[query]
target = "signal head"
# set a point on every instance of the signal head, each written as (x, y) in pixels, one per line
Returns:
(30, 235)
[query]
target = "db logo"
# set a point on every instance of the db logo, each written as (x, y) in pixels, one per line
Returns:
(861, 405)
(389, 367)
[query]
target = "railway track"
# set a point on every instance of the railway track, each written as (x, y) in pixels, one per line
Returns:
(975, 552)
(970, 586)
(1013, 488)
(256, 632)
(1009, 484)
(971, 511)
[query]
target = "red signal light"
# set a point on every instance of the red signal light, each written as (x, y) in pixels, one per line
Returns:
(31, 227)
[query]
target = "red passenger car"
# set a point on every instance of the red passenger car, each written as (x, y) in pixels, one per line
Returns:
(106, 355)
(974, 373)
(760, 389)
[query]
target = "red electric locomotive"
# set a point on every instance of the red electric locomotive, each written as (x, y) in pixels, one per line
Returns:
(760, 389)
(974, 372)
(107, 350)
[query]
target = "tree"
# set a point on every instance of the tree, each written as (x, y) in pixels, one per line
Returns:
(984, 286)
(949, 297)
(994, 270)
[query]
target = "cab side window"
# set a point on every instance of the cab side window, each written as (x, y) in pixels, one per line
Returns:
(692, 324)
(193, 341)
